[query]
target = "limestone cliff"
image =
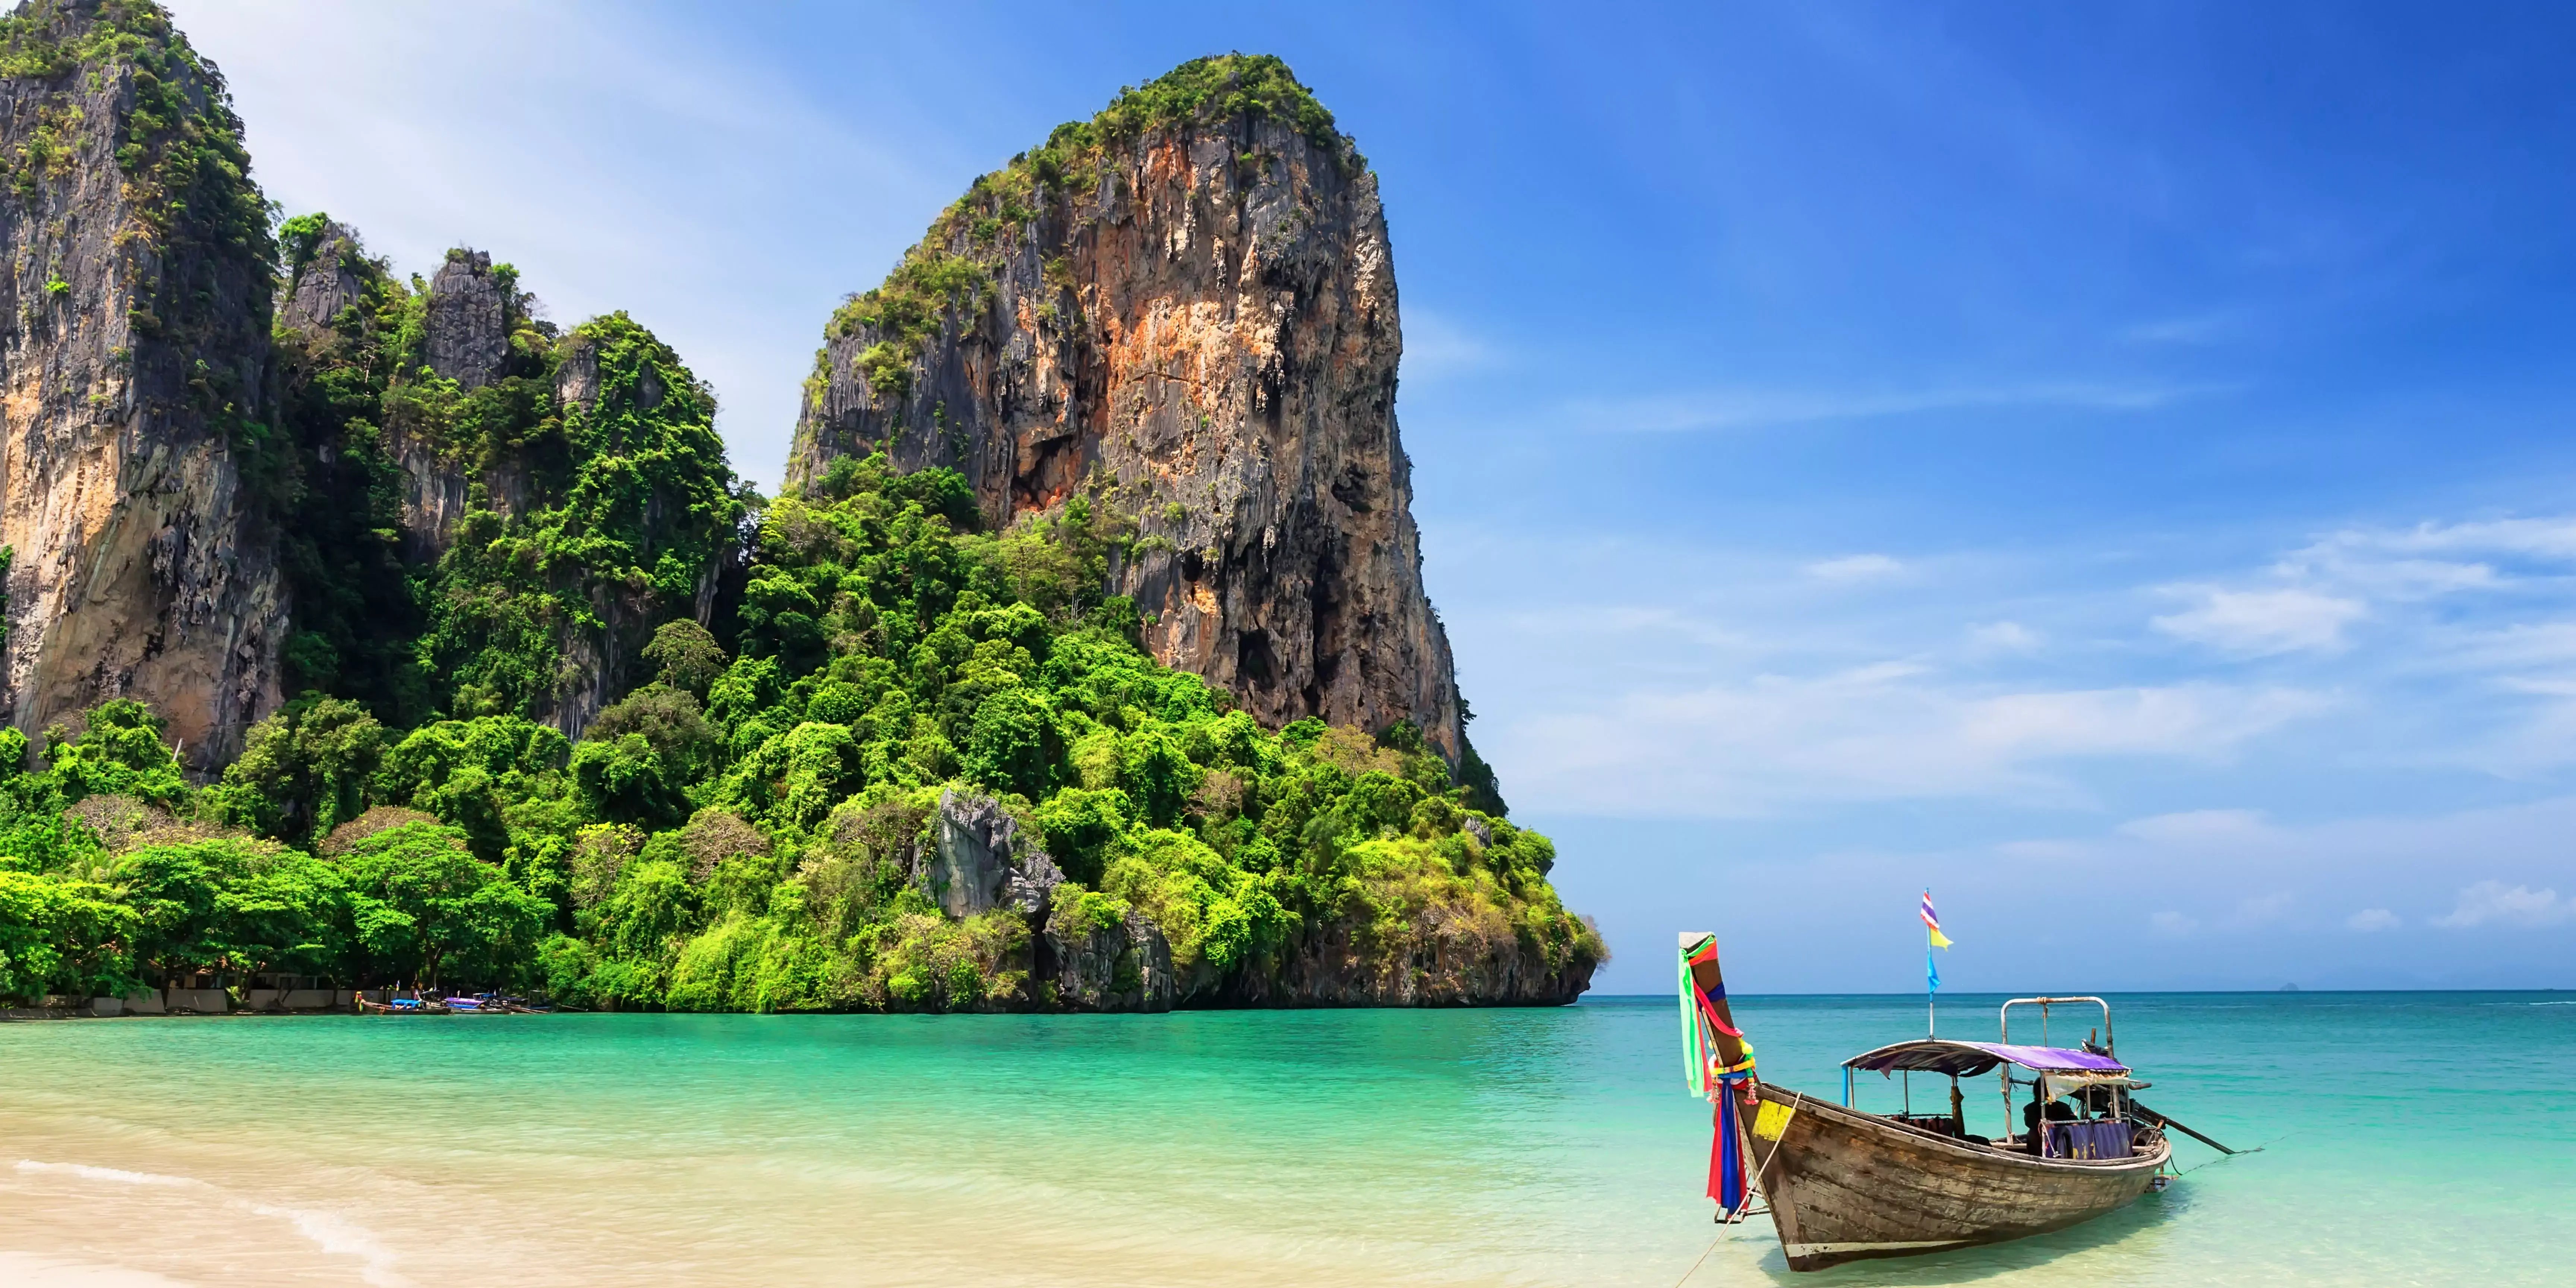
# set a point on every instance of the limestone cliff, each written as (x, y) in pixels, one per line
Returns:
(1090, 954)
(461, 333)
(466, 319)
(134, 321)
(1185, 309)
(333, 276)
(1126, 965)
(590, 454)
(631, 410)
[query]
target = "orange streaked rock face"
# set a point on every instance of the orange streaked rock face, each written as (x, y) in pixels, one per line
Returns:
(135, 360)
(1201, 329)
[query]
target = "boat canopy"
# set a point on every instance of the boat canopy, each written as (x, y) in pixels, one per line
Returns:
(1968, 1059)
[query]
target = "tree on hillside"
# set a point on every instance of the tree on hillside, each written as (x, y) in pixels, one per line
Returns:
(422, 907)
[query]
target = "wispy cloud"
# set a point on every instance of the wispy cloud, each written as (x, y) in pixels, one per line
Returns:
(2004, 637)
(1745, 408)
(2549, 537)
(2187, 329)
(1855, 568)
(1437, 347)
(2494, 903)
(2307, 599)
(2197, 827)
(2237, 871)
(2484, 609)
(1886, 731)
(2262, 622)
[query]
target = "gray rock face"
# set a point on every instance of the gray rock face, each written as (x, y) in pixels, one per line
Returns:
(463, 326)
(982, 862)
(133, 337)
(577, 380)
(1203, 330)
(325, 284)
(464, 338)
(1331, 965)
(1099, 964)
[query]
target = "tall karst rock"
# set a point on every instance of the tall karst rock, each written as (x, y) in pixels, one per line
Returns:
(556, 495)
(1184, 309)
(134, 320)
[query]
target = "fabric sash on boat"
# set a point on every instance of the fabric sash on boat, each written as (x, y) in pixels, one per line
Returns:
(2089, 1140)
(1726, 1158)
(1719, 1082)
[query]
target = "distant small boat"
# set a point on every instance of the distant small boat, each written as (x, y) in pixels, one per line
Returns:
(401, 1006)
(1843, 1185)
(494, 1004)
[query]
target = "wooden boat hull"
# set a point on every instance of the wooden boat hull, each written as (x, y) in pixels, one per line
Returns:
(1845, 1186)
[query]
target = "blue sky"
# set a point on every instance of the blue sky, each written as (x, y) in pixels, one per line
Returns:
(2110, 465)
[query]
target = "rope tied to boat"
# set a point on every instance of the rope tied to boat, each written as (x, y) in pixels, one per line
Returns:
(1703, 1260)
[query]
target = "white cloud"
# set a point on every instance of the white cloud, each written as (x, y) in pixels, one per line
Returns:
(2015, 677)
(2198, 826)
(1436, 346)
(2492, 901)
(2192, 720)
(2550, 538)
(1741, 408)
(2262, 622)
(2519, 646)
(2004, 637)
(1855, 568)
(2237, 872)
(1887, 731)
(2432, 560)
(2196, 329)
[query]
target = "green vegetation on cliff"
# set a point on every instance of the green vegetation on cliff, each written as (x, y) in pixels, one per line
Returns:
(746, 830)
(627, 503)
(356, 601)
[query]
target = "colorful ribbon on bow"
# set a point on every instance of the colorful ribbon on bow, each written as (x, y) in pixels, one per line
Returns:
(1720, 1082)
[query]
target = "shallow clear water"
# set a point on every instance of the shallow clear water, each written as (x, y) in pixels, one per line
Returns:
(2411, 1138)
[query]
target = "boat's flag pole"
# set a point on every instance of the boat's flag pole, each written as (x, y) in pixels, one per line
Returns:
(1931, 967)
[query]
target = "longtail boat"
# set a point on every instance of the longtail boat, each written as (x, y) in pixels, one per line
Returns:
(1842, 1185)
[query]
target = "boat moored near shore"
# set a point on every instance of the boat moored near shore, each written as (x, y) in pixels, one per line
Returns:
(1843, 1185)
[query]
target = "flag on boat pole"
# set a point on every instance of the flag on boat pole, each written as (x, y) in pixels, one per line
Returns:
(1932, 922)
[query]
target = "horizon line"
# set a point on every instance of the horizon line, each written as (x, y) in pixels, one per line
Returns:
(2130, 992)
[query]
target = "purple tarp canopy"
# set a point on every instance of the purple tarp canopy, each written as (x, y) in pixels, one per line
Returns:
(1967, 1059)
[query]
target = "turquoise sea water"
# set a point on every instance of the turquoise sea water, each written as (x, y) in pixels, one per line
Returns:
(2410, 1138)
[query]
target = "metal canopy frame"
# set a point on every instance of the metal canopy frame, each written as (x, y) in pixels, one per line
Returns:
(2003, 1022)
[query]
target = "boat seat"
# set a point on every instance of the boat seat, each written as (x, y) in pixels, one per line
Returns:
(2088, 1140)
